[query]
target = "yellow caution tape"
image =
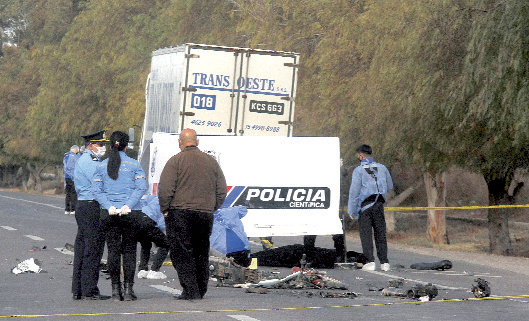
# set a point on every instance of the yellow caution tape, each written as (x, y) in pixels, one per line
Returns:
(444, 208)
(265, 309)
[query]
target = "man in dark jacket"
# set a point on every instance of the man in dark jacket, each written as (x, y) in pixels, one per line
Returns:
(192, 186)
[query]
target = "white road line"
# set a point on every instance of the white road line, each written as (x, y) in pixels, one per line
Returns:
(33, 237)
(166, 289)
(64, 251)
(9, 228)
(243, 318)
(19, 199)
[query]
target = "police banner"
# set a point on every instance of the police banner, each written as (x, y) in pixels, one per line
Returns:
(290, 185)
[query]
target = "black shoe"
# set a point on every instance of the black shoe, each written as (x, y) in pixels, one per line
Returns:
(96, 297)
(184, 297)
(77, 297)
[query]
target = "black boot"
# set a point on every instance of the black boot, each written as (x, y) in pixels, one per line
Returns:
(129, 292)
(117, 292)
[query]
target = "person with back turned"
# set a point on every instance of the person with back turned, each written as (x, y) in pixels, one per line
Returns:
(367, 194)
(118, 185)
(192, 186)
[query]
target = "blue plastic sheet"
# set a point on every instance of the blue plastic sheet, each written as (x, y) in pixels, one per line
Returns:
(228, 233)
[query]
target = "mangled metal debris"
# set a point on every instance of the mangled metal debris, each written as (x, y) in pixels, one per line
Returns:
(419, 292)
(480, 288)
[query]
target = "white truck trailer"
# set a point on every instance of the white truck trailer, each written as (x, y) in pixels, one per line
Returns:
(241, 103)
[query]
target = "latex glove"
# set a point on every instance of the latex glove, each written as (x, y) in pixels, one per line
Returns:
(112, 210)
(125, 210)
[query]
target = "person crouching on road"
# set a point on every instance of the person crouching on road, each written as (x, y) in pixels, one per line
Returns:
(119, 184)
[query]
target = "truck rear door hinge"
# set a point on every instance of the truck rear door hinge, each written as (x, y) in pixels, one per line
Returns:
(285, 122)
(188, 89)
(287, 98)
(290, 64)
(187, 113)
(192, 56)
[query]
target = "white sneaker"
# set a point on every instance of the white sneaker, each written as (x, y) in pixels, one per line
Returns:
(385, 267)
(67, 212)
(156, 275)
(369, 266)
(72, 213)
(142, 274)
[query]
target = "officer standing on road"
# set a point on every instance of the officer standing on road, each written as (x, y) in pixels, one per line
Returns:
(118, 185)
(90, 240)
(370, 183)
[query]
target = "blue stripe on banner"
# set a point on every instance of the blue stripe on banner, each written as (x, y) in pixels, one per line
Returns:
(234, 193)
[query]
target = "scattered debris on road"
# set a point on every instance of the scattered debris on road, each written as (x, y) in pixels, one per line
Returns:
(480, 288)
(29, 265)
(437, 265)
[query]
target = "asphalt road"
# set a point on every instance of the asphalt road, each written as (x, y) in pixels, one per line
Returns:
(34, 226)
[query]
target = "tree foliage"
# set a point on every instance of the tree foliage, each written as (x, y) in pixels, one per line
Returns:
(427, 83)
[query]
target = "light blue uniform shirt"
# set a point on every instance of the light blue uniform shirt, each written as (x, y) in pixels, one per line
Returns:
(126, 190)
(70, 165)
(67, 156)
(364, 185)
(84, 171)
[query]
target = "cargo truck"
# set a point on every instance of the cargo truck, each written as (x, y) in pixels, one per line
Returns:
(241, 102)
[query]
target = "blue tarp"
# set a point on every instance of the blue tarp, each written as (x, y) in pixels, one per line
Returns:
(228, 234)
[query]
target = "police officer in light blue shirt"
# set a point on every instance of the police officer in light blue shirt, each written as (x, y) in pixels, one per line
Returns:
(370, 183)
(90, 239)
(118, 185)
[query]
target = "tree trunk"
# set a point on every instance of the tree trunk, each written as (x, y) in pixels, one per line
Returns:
(436, 194)
(499, 238)
(34, 180)
(391, 220)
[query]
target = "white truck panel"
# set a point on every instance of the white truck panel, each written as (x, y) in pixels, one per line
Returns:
(290, 185)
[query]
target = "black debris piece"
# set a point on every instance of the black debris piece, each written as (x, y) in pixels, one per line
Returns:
(437, 265)
(290, 255)
(481, 288)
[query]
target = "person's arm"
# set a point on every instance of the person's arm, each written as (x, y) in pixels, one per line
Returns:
(167, 185)
(97, 188)
(140, 184)
(222, 189)
(354, 193)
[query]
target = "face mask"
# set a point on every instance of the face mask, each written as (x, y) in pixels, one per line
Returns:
(100, 151)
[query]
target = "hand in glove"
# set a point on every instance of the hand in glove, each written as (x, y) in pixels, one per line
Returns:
(112, 210)
(125, 210)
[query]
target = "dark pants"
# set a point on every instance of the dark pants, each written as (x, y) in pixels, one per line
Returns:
(88, 248)
(71, 196)
(122, 237)
(372, 221)
(309, 243)
(148, 234)
(188, 233)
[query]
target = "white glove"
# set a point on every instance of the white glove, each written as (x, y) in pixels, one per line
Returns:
(112, 210)
(125, 210)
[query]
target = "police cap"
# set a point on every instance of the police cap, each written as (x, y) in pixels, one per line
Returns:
(95, 137)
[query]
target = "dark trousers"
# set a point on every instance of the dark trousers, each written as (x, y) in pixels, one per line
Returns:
(372, 221)
(309, 244)
(71, 196)
(88, 248)
(148, 234)
(188, 233)
(122, 237)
